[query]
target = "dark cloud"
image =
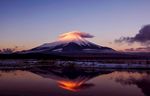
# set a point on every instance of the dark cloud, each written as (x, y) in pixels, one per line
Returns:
(142, 37)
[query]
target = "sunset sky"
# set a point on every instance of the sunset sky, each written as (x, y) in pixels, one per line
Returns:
(30, 23)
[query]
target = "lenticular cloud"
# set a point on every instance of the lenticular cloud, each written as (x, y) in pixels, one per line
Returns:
(76, 33)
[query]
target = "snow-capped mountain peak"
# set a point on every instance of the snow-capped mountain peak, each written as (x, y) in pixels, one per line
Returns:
(73, 36)
(71, 42)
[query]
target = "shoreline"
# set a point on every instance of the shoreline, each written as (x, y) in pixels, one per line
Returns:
(34, 63)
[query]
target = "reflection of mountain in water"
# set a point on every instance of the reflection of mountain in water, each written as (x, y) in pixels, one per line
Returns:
(141, 80)
(70, 78)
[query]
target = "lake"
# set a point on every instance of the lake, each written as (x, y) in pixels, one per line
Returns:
(44, 81)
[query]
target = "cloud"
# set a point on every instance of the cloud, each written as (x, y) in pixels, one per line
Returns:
(76, 33)
(140, 49)
(142, 37)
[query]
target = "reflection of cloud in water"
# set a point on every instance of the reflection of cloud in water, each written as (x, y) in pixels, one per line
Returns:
(140, 79)
(128, 77)
(75, 85)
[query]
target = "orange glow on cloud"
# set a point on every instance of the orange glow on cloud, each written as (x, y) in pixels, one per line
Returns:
(70, 36)
(74, 35)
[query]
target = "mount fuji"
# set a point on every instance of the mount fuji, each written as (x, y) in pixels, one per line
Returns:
(71, 42)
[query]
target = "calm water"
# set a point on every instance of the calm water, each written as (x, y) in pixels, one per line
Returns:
(74, 82)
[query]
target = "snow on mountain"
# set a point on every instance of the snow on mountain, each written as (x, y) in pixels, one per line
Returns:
(71, 42)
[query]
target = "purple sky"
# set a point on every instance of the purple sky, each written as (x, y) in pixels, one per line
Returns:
(29, 23)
